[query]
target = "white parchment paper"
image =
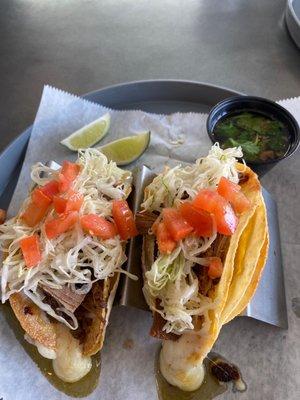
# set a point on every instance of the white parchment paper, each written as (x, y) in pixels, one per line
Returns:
(127, 371)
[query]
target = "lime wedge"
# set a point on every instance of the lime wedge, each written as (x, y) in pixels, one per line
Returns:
(88, 135)
(126, 150)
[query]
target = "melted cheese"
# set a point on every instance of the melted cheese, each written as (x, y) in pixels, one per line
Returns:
(70, 364)
(180, 363)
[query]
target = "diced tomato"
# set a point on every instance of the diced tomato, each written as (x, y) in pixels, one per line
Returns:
(70, 170)
(2, 215)
(176, 224)
(63, 223)
(40, 199)
(98, 226)
(124, 220)
(36, 209)
(67, 174)
(33, 215)
(215, 268)
(212, 202)
(200, 220)
(240, 203)
(232, 193)
(50, 189)
(226, 187)
(73, 202)
(208, 200)
(63, 183)
(59, 204)
(226, 219)
(165, 242)
(30, 247)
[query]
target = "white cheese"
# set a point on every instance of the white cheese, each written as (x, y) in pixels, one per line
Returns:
(70, 364)
(180, 364)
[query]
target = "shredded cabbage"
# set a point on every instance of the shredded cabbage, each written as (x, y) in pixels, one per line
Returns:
(74, 258)
(171, 278)
(168, 188)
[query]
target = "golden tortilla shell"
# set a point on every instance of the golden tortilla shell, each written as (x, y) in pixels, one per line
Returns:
(33, 320)
(252, 190)
(97, 304)
(251, 187)
(249, 293)
(99, 312)
(246, 259)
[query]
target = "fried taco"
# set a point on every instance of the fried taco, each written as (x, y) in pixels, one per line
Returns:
(205, 242)
(63, 255)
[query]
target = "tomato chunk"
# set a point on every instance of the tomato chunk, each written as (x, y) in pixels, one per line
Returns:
(176, 224)
(68, 173)
(73, 202)
(200, 220)
(232, 193)
(212, 202)
(30, 247)
(165, 242)
(33, 215)
(208, 200)
(2, 215)
(63, 223)
(50, 189)
(240, 203)
(124, 220)
(98, 226)
(226, 219)
(59, 204)
(40, 199)
(215, 268)
(70, 170)
(226, 187)
(63, 183)
(36, 209)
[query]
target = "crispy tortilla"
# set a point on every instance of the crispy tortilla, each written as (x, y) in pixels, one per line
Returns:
(246, 259)
(249, 293)
(221, 293)
(97, 307)
(33, 320)
(252, 190)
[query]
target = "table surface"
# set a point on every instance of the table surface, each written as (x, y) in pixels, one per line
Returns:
(80, 46)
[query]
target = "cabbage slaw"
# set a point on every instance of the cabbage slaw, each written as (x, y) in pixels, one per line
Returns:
(171, 278)
(73, 258)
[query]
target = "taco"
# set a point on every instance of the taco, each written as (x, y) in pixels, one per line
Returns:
(62, 258)
(205, 240)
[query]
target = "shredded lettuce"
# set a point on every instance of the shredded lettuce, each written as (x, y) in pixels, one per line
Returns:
(74, 258)
(168, 188)
(172, 281)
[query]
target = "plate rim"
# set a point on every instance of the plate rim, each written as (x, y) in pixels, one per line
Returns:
(161, 80)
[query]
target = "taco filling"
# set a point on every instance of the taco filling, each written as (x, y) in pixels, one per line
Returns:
(62, 257)
(199, 212)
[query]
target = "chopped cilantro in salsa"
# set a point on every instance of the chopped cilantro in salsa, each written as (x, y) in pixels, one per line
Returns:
(260, 137)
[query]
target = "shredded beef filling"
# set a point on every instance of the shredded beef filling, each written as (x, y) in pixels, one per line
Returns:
(144, 221)
(65, 296)
(86, 311)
